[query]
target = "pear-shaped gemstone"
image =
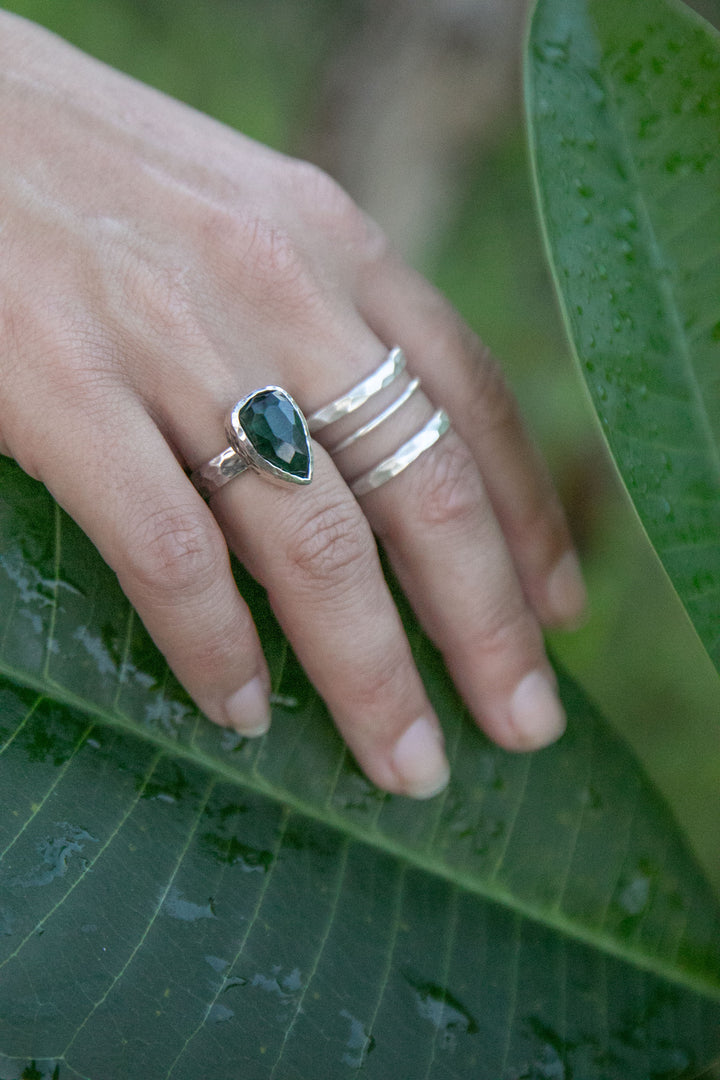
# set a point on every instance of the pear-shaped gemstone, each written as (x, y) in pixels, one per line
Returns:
(275, 428)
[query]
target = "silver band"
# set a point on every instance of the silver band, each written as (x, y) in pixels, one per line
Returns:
(267, 433)
(436, 427)
(353, 399)
(384, 415)
(218, 471)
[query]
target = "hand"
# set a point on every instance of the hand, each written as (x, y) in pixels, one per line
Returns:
(156, 268)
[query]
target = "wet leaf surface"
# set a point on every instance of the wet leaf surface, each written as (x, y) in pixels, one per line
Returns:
(178, 902)
(624, 115)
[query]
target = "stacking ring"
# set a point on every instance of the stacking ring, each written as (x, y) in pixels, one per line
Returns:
(268, 433)
(359, 395)
(353, 399)
(376, 421)
(410, 451)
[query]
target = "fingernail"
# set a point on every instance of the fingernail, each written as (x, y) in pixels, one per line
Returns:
(419, 759)
(248, 709)
(566, 590)
(536, 714)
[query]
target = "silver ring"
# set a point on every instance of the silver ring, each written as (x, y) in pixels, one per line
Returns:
(358, 395)
(268, 433)
(410, 451)
(384, 415)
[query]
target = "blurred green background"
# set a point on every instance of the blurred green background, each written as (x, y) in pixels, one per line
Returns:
(295, 74)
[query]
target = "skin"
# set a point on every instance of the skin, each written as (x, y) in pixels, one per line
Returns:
(157, 267)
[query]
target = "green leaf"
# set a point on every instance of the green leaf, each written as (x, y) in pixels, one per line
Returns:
(178, 902)
(623, 102)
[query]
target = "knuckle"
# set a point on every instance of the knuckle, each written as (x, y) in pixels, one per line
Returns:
(278, 274)
(51, 361)
(80, 369)
(266, 251)
(317, 191)
(536, 523)
(247, 244)
(450, 335)
(217, 646)
(327, 205)
(156, 303)
(450, 487)
(174, 551)
(273, 254)
(374, 243)
(331, 547)
(222, 230)
(383, 682)
(490, 393)
(312, 184)
(538, 533)
(507, 630)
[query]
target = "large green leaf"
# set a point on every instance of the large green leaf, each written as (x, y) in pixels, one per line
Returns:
(178, 902)
(624, 110)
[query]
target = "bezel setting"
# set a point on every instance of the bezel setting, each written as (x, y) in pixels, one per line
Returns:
(242, 442)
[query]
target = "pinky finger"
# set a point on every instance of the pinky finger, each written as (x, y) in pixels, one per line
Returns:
(400, 305)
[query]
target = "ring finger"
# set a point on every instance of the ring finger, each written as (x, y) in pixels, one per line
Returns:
(459, 374)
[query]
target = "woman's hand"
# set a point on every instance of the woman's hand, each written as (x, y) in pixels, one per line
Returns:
(156, 267)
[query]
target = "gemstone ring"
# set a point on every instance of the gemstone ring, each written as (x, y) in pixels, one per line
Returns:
(268, 433)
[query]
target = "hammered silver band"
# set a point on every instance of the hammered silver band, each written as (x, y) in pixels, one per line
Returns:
(410, 451)
(379, 419)
(218, 471)
(383, 376)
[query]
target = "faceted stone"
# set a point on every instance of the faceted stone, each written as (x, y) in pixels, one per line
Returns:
(275, 429)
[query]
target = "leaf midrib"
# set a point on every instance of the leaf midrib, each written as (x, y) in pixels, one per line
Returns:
(659, 264)
(489, 891)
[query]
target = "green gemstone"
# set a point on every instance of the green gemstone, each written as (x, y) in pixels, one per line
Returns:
(274, 426)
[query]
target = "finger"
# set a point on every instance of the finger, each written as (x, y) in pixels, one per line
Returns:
(437, 525)
(313, 551)
(459, 374)
(124, 487)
